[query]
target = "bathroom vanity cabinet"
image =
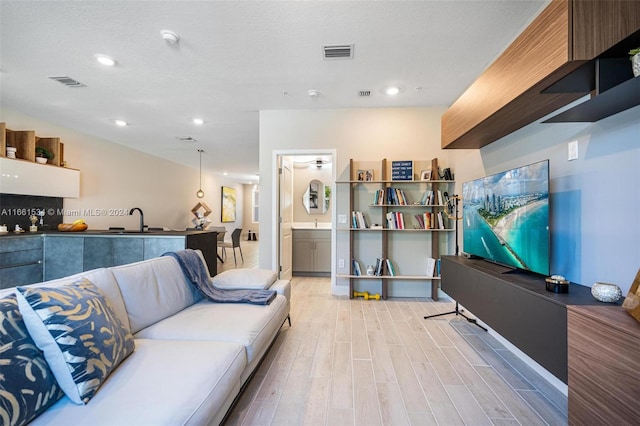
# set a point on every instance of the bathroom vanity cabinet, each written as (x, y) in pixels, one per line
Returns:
(312, 252)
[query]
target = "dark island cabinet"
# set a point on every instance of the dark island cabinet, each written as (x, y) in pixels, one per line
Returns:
(20, 260)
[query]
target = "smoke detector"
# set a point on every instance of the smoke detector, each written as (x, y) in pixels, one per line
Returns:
(169, 36)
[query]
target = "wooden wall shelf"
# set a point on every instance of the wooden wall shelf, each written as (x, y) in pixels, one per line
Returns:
(511, 93)
(26, 141)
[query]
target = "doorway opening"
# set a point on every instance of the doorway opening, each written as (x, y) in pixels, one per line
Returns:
(305, 188)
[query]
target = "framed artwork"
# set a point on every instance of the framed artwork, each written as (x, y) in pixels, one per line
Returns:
(228, 204)
(425, 175)
(365, 175)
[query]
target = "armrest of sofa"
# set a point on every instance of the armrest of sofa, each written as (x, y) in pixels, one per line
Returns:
(282, 287)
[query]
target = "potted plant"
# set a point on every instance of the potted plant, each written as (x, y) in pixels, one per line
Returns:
(43, 155)
(634, 55)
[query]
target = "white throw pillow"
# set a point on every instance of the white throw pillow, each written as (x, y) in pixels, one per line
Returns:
(234, 279)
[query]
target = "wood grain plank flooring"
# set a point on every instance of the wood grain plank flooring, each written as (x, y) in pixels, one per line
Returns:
(356, 362)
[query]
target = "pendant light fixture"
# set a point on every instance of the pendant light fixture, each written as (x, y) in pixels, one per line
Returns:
(200, 193)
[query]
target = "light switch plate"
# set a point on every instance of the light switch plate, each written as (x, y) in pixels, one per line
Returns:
(340, 263)
(573, 150)
(342, 218)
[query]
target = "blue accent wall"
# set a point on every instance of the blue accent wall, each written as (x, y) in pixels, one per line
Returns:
(595, 200)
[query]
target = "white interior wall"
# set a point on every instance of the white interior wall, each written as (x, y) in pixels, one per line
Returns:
(117, 178)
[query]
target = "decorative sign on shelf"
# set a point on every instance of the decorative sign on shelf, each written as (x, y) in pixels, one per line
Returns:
(402, 170)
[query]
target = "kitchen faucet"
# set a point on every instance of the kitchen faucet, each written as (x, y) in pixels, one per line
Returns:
(141, 217)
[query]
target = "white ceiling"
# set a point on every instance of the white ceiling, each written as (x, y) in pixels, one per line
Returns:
(235, 58)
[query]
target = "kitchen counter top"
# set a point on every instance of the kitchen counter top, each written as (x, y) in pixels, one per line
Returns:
(108, 233)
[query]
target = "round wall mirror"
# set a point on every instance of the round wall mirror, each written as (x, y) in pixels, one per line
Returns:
(316, 198)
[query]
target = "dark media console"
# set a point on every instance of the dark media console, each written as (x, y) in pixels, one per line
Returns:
(517, 306)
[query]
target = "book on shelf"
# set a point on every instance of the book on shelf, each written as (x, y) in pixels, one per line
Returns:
(431, 267)
(428, 220)
(359, 220)
(428, 198)
(440, 220)
(440, 200)
(356, 268)
(437, 273)
(390, 268)
(379, 269)
(395, 220)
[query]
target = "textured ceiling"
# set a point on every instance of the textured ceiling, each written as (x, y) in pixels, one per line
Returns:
(235, 58)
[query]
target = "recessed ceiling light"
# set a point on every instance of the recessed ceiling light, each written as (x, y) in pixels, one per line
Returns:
(225, 173)
(121, 123)
(392, 90)
(169, 36)
(198, 121)
(105, 60)
(313, 93)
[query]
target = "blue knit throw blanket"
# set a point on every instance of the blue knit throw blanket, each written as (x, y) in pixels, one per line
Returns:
(196, 273)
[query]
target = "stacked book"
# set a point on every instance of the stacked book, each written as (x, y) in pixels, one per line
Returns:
(390, 196)
(430, 220)
(433, 267)
(382, 267)
(359, 220)
(395, 220)
(434, 198)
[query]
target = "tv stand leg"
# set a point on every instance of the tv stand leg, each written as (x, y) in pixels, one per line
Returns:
(460, 312)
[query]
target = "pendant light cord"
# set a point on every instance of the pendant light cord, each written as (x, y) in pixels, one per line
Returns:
(200, 193)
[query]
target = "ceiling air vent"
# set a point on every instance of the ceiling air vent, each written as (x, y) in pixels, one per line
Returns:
(68, 81)
(186, 139)
(364, 93)
(339, 51)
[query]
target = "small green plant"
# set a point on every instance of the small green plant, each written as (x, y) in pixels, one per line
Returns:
(634, 52)
(44, 152)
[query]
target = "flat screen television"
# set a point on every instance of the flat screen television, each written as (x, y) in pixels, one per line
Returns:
(506, 217)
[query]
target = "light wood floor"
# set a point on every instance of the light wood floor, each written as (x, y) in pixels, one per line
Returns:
(356, 362)
(249, 252)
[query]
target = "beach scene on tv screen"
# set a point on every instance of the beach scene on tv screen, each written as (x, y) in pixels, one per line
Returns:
(506, 217)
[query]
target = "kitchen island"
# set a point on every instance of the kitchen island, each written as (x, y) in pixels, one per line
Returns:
(32, 257)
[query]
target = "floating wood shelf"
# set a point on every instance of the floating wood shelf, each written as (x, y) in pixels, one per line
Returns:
(512, 93)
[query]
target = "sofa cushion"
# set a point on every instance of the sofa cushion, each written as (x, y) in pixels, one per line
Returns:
(254, 326)
(82, 338)
(163, 382)
(153, 290)
(27, 385)
(245, 279)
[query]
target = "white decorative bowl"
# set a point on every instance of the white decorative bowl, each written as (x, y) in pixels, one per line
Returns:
(41, 160)
(605, 292)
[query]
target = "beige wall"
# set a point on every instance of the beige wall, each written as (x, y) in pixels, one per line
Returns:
(117, 178)
(249, 225)
(364, 134)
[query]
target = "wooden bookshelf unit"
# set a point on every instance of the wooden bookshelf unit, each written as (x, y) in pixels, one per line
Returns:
(366, 179)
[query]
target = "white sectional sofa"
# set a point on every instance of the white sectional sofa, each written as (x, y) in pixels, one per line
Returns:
(191, 356)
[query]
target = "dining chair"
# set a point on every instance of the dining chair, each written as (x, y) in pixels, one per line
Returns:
(235, 243)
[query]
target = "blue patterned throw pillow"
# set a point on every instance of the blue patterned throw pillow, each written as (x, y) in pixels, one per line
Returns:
(27, 385)
(81, 337)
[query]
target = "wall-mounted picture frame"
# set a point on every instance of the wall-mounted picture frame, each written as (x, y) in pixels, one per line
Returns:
(228, 204)
(365, 175)
(425, 175)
